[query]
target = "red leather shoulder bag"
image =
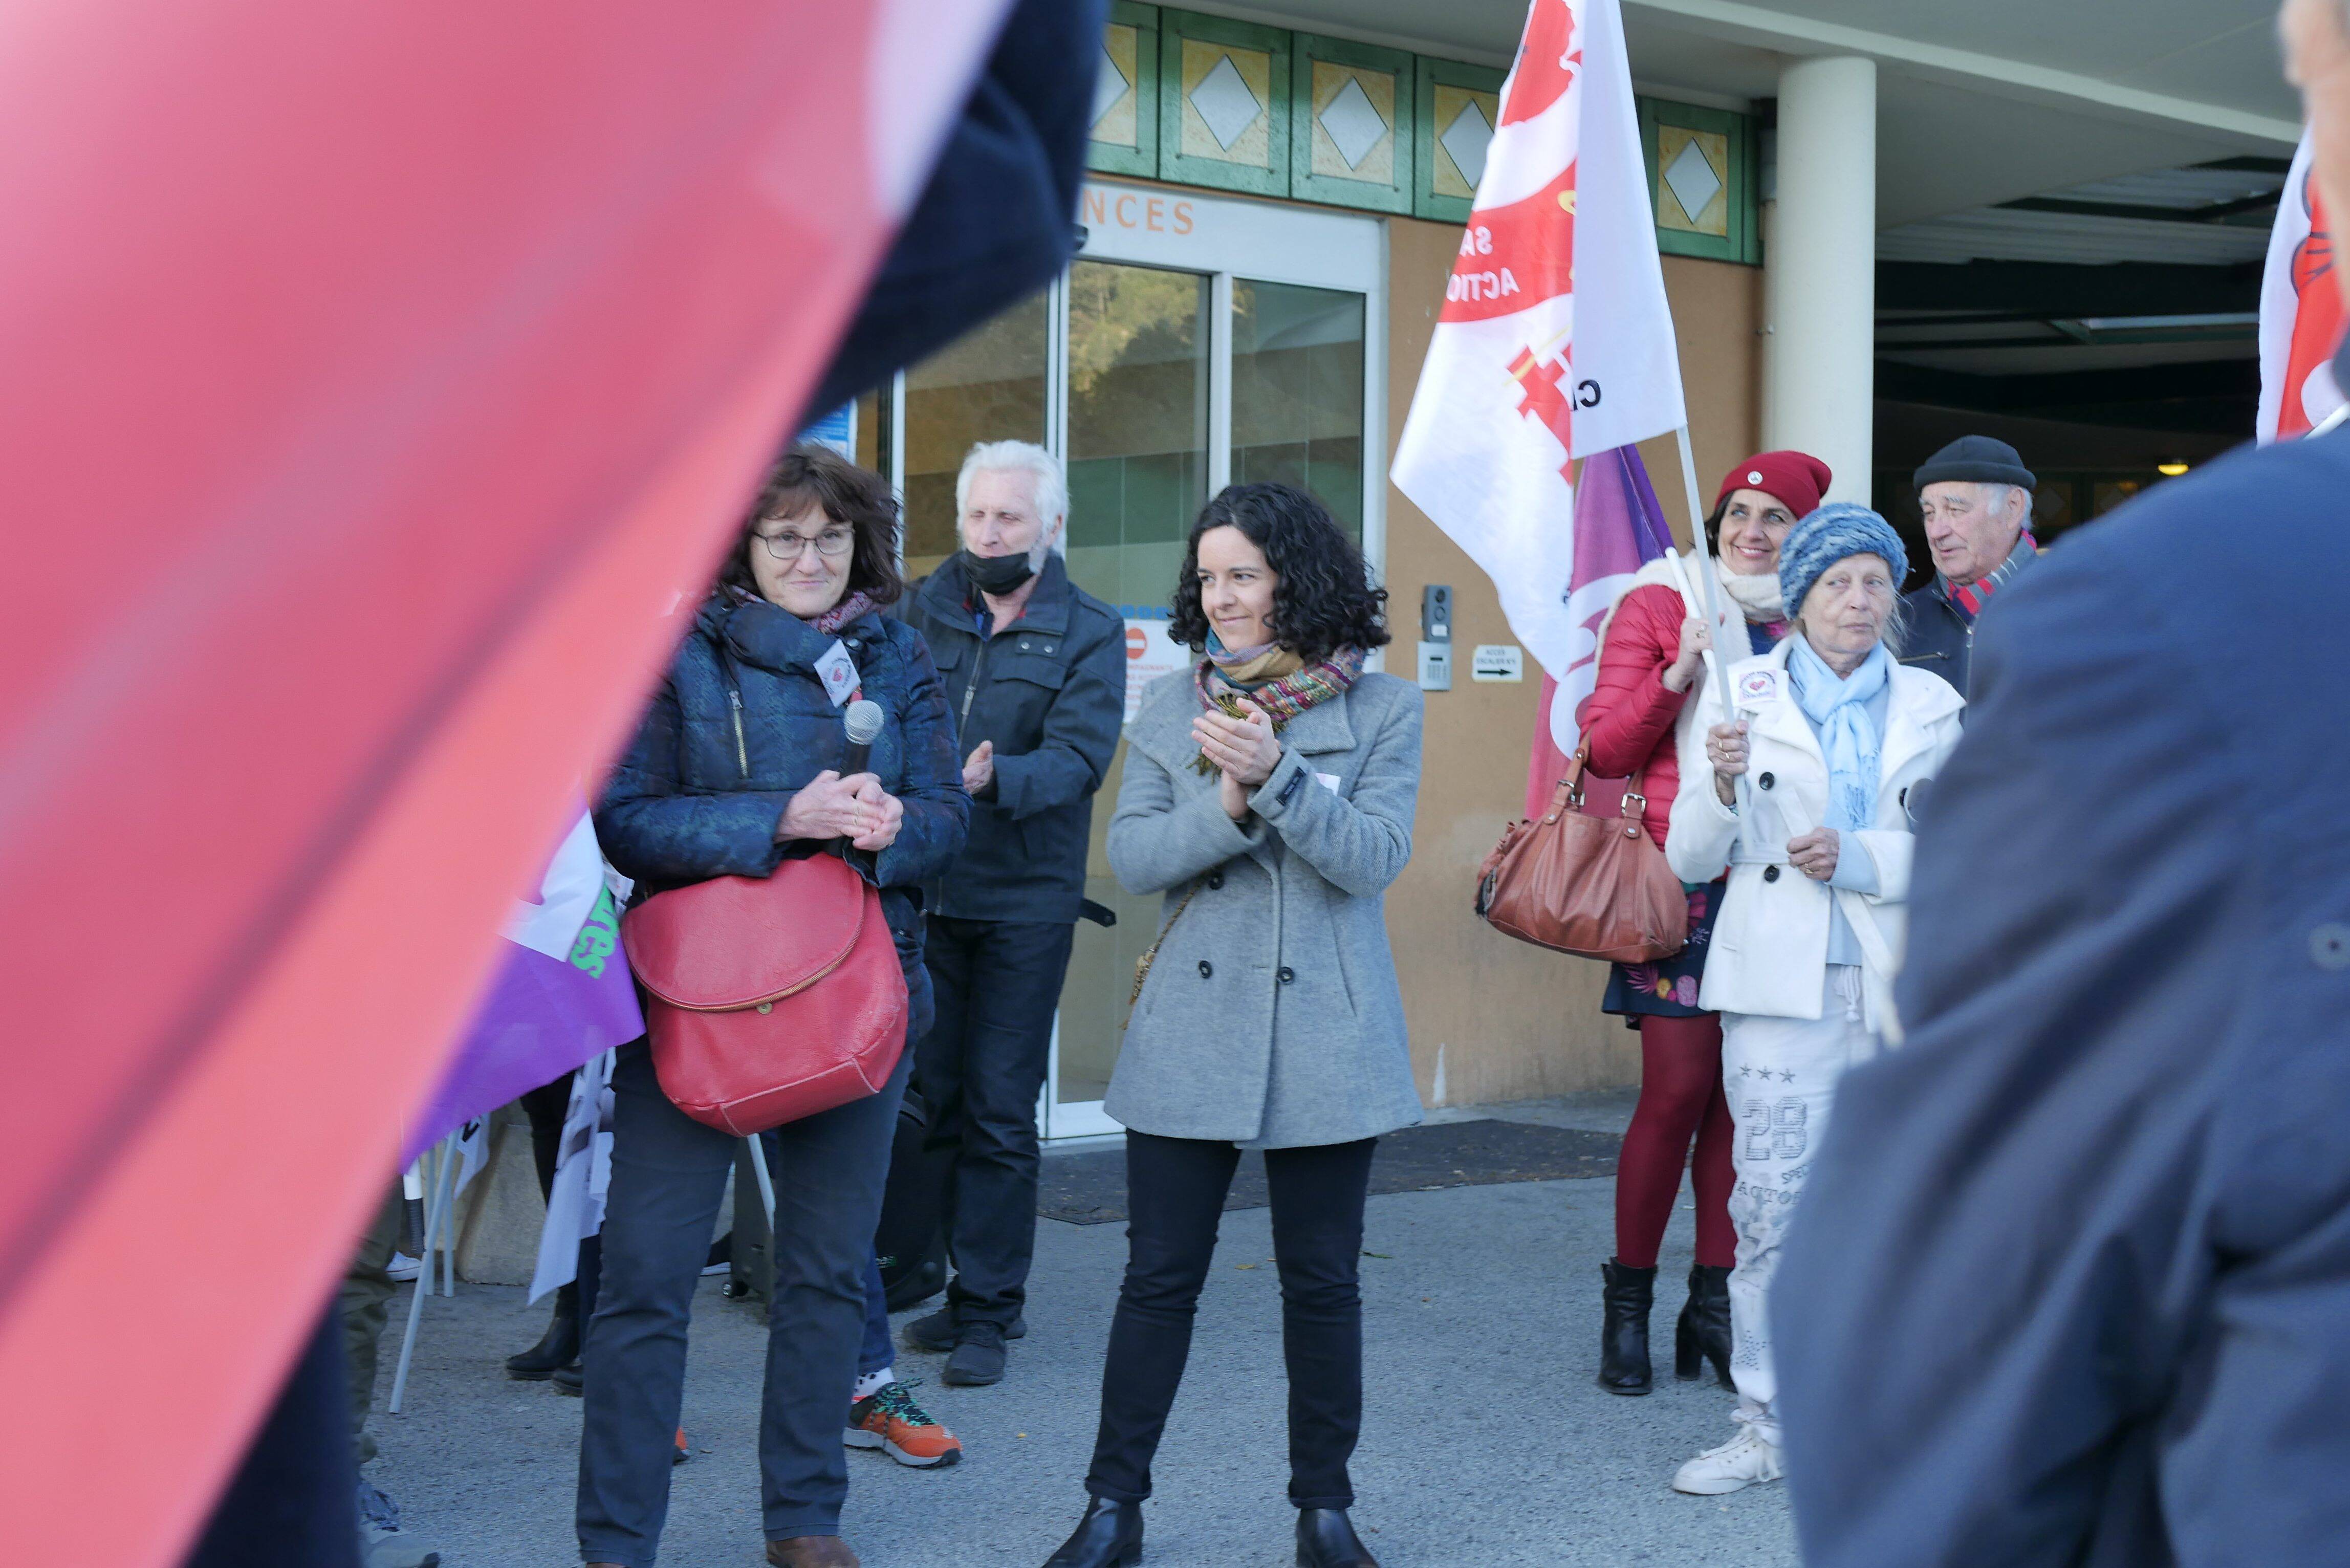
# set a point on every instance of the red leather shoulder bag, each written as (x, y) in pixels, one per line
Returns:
(769, 998)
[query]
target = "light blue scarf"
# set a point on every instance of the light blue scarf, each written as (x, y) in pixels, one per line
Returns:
(1839, 708)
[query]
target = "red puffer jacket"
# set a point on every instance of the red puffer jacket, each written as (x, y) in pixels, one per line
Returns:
(1628, 718)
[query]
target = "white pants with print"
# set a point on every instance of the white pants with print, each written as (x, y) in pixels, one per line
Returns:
(1780, 1076)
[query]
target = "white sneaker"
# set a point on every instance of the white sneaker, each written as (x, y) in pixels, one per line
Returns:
(403, 1268)
(1745, 1460)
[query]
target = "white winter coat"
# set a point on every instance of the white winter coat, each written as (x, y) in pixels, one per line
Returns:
(1769, 951)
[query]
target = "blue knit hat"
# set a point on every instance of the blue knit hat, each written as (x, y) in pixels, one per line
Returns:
(1824, 537)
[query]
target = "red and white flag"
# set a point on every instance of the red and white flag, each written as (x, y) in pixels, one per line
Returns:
(2301, 312)
(1555, 341)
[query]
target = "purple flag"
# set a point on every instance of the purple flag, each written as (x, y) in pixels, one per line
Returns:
(1619, 528)
(562, 996)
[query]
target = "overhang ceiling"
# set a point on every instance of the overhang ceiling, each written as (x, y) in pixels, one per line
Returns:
(1977, 103)
(2073, 196)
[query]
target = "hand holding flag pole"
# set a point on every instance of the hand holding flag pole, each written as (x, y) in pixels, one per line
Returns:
(1719, 667)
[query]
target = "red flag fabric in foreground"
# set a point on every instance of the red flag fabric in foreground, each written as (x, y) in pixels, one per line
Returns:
(375, 379)
(2301, 312)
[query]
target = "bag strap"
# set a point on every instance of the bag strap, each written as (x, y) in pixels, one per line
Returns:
(1568, 796)
(1150, 955)
(1634, 806)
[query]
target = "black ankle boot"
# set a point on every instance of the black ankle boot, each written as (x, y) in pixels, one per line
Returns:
(1624, 1329)
(1326, 1540)
(559, 1346)
(1108, 1536)
(1703, 1333)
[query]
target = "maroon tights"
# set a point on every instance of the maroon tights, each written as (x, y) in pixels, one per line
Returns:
(1680, 1095)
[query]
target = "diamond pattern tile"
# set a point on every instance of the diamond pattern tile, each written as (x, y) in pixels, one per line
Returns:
(1691, 180)
(1226, 105)
(1109, 85)
(1466, 139)
(1353, 122)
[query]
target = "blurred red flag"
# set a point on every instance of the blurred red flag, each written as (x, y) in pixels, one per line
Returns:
(372, 380)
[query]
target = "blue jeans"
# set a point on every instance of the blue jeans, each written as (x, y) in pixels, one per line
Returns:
(669, 1173)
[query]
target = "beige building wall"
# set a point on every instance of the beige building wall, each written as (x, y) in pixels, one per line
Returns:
(1490, 1018)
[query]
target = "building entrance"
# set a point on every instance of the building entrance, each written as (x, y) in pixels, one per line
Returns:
(1197, 341)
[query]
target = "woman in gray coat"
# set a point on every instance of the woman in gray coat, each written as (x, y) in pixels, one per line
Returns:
(1269, 794)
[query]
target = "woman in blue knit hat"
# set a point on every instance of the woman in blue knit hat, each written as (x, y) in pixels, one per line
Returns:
(1811, 780)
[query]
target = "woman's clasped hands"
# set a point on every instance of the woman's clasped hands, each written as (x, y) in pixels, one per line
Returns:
(856, 809)
(1245, 751)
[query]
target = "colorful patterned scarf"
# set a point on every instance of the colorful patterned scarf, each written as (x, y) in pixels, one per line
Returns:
(1283, 698)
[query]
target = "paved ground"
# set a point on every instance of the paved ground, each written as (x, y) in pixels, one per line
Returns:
(1485, 1443)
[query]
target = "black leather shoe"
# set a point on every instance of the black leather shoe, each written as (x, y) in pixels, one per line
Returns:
(1624, 1328)
(568, 1380)
(1326, 1540)
(977, 1358)
(1108, 1536)
(559, 1346)
(1702, 1334)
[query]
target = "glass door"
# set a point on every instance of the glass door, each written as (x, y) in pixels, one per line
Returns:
(1197, 342)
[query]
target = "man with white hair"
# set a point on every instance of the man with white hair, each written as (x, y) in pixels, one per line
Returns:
(1035, 670)
(1975, 495)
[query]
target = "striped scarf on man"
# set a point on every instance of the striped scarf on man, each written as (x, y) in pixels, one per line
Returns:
(1969, 599)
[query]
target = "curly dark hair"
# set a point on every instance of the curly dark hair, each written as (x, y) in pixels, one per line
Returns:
(846, 493)
(1323, 598)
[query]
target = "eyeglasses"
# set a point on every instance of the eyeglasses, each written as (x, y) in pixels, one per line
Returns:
(790, 546)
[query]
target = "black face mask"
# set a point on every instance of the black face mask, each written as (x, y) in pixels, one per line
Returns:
(997, 574)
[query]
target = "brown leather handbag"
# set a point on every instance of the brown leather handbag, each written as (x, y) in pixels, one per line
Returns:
(1597, 887)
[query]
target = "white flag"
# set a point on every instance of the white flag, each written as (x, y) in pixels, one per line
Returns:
(1556, 340)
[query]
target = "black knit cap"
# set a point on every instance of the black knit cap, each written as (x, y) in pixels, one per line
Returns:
(1980, 459)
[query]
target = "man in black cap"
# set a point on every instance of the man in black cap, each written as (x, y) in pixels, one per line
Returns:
(1976, 496)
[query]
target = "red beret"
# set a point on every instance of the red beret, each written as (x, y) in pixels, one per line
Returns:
(1795, 478)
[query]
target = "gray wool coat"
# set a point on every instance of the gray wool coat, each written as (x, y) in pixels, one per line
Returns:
(1271, 1017)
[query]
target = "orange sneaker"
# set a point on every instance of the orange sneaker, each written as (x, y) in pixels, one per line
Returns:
(890, 1420)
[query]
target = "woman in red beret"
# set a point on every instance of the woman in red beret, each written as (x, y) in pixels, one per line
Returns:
(1651, 655)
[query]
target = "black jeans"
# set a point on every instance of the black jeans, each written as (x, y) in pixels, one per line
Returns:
(996, 985)
(1175, 1193)
(669, 1172)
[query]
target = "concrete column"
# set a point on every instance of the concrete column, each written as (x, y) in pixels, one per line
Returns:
(1820, 284)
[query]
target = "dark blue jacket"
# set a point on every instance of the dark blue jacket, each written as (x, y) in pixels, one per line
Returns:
(1938, 637)
(2071, 1282)
(695, 796)
(1050, 690)
(998, 216)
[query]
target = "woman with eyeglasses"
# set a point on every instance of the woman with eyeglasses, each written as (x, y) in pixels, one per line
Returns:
(738, 766)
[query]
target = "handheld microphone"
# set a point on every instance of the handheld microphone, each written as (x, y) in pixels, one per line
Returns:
(862, 722)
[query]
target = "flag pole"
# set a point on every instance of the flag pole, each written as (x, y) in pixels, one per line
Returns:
(1716, 660)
